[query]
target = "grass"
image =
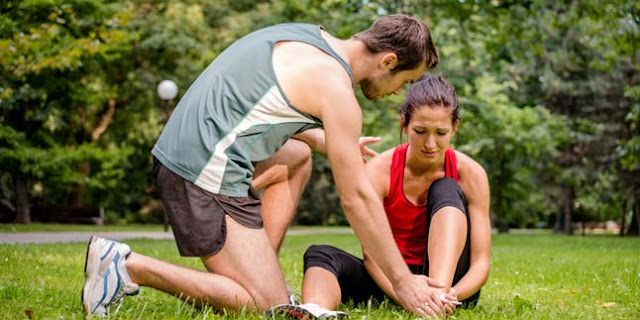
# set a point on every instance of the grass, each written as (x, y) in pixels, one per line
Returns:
(533, 276)
(49, 227)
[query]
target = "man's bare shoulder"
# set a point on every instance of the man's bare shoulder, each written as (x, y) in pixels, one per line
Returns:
(306, 59)
(310, 78)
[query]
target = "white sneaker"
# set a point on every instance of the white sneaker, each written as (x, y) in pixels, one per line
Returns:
(307, 311)
(294, 297)
(106, 278)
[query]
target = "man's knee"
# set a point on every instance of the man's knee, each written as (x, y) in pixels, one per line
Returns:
(299, 155)
(292, 161)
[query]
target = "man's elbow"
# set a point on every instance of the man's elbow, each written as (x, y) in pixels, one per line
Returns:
(351, 204)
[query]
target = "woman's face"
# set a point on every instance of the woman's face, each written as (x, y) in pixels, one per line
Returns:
(429, 131)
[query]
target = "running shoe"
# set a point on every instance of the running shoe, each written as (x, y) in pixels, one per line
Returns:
(294, 297)
(307, 311)
(106, 278)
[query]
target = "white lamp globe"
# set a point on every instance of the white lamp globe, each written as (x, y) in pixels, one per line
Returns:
(167, 89)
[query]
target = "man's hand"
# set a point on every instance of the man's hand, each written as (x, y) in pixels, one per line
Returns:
(418, 294)
(450, 300)
(364, 150)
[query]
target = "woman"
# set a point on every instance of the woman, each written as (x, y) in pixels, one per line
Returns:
(437, 203)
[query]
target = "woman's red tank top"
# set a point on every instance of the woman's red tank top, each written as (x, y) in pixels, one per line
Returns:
(409, 221)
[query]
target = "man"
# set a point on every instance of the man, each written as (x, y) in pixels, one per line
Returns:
(230, 135)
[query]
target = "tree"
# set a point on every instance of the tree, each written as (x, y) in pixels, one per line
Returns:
(564, 61)
(55, 104)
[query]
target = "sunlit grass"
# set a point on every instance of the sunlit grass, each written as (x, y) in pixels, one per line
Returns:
(49, 227)
(532, 277)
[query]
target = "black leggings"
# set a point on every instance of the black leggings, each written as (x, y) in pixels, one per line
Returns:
(355, 282)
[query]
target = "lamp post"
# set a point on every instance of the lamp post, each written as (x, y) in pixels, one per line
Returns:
(167, 90)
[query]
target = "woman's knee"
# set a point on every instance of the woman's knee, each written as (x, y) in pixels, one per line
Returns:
(446, 192)
(320, 256)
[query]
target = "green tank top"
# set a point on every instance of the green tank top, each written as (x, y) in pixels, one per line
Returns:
(235, 114)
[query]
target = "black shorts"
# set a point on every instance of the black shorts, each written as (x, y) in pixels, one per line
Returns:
(356, 284)
(197, 216)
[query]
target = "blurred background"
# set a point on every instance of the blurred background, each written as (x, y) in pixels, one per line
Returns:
(550, 96)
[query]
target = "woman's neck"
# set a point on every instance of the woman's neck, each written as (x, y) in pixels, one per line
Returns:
(420, 168)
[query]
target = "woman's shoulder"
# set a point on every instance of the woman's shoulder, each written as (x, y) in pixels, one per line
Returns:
(379, 171)
(468, 168)
(382, 161)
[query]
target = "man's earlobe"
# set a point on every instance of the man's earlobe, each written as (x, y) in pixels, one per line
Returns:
(390, 60)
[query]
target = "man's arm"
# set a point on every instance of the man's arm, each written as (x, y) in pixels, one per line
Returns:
(342, 122)
(378, 276)
(314, 138)
(379, 171)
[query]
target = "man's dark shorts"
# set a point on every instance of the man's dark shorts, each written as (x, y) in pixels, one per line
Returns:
(197, 216)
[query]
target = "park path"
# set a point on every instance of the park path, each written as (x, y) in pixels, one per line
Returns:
(83, 236)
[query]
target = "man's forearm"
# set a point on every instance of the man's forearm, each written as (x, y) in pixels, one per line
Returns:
(380, 279)
(367, 218)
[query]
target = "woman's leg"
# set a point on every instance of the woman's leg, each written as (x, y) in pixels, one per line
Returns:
(448, 249)
(321, 287)
(333, 276)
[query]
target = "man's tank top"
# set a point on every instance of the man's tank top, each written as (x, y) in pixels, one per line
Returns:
(235, 114)
(409, 221)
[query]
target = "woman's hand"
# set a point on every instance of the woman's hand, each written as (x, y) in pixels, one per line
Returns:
(450, 300)
(364, 150)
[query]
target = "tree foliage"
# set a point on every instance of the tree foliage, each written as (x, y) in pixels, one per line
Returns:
(549, 90)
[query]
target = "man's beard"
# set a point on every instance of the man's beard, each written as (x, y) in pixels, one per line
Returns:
(368, 89)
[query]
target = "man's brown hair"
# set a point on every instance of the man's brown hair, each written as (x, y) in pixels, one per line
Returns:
(407, 36)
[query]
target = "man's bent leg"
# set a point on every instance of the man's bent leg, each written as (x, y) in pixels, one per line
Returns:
(248, 259)
(193, 286)
(283, 177)
(244, 274)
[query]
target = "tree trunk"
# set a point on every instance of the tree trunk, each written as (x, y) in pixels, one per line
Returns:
(568, 206)
(623, 215)
(104, 121)
(23, 215)
(558, 226)
(634, 224)
(77, 196)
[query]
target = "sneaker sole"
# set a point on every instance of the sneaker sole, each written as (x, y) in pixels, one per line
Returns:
(91, 268)
(289, 312)
(296, 312)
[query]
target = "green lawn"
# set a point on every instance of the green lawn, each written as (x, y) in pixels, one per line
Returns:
(51, 227)
(536, 276)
